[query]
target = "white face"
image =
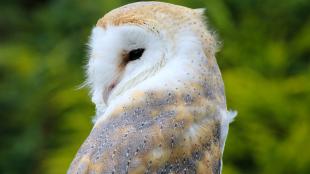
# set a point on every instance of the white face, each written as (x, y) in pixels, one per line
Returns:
(120, 58)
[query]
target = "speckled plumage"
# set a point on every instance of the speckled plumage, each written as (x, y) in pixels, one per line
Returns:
(179, 123)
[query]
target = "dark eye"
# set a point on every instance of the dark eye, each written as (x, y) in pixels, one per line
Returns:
(135, 54)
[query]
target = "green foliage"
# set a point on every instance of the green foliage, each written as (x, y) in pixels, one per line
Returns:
(265, 61)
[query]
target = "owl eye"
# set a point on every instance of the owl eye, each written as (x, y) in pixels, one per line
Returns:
(135, 54)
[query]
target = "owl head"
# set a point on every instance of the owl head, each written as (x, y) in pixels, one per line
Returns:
(147, 45)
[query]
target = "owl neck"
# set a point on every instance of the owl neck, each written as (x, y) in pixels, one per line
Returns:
(187, 70)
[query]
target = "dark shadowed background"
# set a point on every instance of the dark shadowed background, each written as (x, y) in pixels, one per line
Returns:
(265, 61)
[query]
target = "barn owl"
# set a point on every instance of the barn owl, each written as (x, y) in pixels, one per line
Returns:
(158, 92)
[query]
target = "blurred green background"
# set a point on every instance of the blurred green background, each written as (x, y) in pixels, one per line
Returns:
(265, 61)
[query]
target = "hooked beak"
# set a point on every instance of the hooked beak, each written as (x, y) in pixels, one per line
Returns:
(107, 91)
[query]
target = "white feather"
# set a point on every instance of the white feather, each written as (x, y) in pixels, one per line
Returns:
(226, 117)
(164, 60)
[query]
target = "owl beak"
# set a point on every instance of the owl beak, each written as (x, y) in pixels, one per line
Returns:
(107, 91)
